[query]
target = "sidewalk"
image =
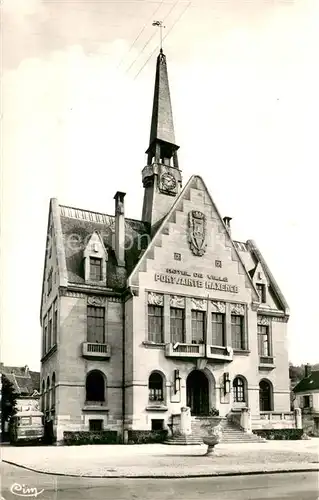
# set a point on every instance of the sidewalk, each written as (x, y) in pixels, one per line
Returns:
(157, 460)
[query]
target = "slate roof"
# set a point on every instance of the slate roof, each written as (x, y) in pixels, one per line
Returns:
(309, 383)
(24, 381)
(78, 225)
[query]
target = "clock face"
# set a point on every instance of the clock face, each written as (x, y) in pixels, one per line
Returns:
(168, 182)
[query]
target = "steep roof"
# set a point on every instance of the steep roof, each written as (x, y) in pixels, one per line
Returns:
(309, 383)
(78, 225)
(24, 381)
(162, 127)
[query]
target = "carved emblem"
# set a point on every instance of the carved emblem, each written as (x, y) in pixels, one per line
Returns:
(176, 301)
(263, 320)
(219, 307)
(199, 304)
(238, 309)
(96, 301)
(197, 232)
(155, 299)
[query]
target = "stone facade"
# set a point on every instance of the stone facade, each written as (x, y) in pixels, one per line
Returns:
(179, 263)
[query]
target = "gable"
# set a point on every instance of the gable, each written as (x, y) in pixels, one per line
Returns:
(54, 257)
(179, 255)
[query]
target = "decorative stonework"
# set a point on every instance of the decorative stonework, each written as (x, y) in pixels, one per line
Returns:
(197, 232)
(76, 295)
(263, 320)
(155, 299)
(114, 299)
(238, 309)
(176, 301)
(96, 301)
(219, 307)
(199, 304)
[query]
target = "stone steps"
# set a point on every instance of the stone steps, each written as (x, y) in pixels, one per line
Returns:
(184, 440)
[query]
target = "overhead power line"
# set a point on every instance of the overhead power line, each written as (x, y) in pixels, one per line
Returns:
(150, 38)
(168, 32)
(141, 32)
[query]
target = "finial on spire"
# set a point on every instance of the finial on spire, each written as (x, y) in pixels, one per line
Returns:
(160, 25)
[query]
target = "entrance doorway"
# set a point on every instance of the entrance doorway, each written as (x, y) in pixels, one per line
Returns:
(197, 393)
(265, 396)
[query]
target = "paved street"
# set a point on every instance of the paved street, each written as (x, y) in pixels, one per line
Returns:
(290, 486)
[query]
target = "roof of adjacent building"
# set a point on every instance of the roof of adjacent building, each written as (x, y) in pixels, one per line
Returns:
(78, 225)
(24, 381)
(310, 383)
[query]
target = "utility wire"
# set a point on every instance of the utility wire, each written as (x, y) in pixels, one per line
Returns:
(141, 32)
(168, 32)
(150, 38)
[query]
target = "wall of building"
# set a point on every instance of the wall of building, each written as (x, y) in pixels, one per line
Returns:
(71, 411)
(174, 240)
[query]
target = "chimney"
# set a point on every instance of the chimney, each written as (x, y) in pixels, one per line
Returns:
(307, 370)
(26, 370)
(119, 228)
(227, 223)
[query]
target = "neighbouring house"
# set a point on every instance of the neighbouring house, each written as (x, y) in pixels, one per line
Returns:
(26, 384)
(307, 398)
(141, 318)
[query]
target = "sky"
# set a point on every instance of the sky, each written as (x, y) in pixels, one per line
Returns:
(77, 88)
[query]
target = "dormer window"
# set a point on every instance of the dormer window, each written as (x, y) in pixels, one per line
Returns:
(95, 261)
(96, 272)
(261, 289)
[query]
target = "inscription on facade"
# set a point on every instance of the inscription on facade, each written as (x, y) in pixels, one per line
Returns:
(197, 280)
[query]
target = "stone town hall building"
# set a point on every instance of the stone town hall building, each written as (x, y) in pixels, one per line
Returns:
(143, 317)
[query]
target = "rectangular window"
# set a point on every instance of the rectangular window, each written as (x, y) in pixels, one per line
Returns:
(155, 324)
(96, 324)
(45, 336)
(95, 425)
(95, 269)
(49, 282)
(157, 424)
(237, 331)
(55, 322)
(263, 340)
(177, 320)
(50, 330)
(198, 327)
(306, 401)
(261, 289)
(218, 329)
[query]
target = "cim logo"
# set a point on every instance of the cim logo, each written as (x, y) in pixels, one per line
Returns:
(22, 490)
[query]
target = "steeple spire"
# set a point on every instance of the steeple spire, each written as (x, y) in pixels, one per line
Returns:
(162, 179)
(162, 138)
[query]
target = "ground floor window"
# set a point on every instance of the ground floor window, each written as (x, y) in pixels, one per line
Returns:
(155, 387)
(96, 425)
(157, 424)
(239, 390)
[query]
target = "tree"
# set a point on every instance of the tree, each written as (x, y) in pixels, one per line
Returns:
(8, 401)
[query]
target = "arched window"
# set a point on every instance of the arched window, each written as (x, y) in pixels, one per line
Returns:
(47, 403)
(95, 387)
(239, 390)
(43, 396)
(265, 396)
(53, 392)
(155, 387)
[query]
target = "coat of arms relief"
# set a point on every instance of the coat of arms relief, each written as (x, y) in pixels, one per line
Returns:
(197, 232)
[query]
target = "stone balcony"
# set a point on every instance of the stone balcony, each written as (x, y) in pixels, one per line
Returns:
(267, 362)
(185, 350)
(96, 350)
(219, 353)
(181, 350)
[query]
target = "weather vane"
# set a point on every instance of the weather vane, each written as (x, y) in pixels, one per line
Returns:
(160, 25)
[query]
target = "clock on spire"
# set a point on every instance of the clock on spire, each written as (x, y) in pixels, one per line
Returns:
(161, 177)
